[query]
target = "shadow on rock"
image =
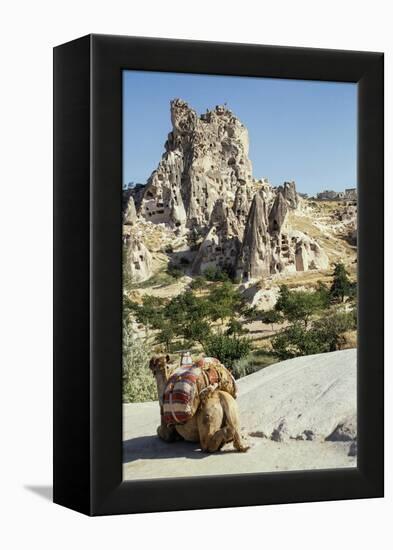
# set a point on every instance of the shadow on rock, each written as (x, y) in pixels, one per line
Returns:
(150, 447)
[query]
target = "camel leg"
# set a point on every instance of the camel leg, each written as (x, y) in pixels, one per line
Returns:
(167, 433)
(217, 440)
(232, 420)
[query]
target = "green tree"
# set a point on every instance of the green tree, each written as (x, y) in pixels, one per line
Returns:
(166, 335)
(324, 294)
(227, 349)
(197, 331)
(330, 329)
(298, 305)
(150, 312)
(225, 301)
(325, 334)
(297, 340)
(236, 327)
(341, 285)
(270, 317)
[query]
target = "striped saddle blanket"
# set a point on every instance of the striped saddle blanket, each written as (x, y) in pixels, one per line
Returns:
(186, 384)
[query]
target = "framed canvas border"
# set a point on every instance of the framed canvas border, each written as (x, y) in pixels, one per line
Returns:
(88, 274)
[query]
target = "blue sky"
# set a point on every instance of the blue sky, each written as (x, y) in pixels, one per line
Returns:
(299, 130)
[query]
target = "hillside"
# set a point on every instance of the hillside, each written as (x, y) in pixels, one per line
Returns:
(202, 208)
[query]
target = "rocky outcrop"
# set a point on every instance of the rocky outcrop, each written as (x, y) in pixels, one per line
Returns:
(137, 260)
(130, 215)
(288, 191)
(203, 192)
(309, 255)
(255, 254)
(306, 398)
(221, 246)
(205, 159)
(277, 214)
(241, 206)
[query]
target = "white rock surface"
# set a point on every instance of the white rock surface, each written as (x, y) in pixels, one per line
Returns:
(309, 397)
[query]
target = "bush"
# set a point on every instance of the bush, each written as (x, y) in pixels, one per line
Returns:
(333, 327)
(198, 283)
(296, 340)
(326, 334)
(236, 327)
(138, 382)
(215, 274)
(174, 271)
(256, 360)
(270, 317)
(227, 349)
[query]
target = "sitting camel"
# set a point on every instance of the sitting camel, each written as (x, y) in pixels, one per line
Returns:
(215, 422)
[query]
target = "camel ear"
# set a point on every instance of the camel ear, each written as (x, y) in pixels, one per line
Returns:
(168, 359)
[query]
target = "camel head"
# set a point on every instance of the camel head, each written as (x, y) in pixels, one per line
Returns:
(159, 365)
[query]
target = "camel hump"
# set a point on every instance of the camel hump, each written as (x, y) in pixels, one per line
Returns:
(214, 373)
(187, 385)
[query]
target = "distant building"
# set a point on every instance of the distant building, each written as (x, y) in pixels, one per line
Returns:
(327, 195)
(351, 194)
(348, 194)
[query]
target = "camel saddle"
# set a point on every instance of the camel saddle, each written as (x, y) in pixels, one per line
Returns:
(189, 384)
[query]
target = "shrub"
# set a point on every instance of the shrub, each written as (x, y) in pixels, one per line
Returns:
(227, 349)
(138, 382)
(236, 327)
(326, 334)
(256, 360)
(331, 329)
(270, 317)
(296, 340)
(198, 283)
(174, 271)
(215, 274)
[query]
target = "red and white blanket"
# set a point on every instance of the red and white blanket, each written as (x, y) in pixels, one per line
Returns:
(179, 402)
(187, 383)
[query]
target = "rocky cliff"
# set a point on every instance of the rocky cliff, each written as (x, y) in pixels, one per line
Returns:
(205, 159)
(204, 185)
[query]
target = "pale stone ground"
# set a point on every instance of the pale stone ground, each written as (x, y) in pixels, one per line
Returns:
(292, 401)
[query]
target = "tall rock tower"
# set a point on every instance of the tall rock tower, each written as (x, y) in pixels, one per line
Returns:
(205, 159)
(255, 254)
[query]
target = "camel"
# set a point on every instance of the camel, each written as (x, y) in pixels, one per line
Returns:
(215, 423)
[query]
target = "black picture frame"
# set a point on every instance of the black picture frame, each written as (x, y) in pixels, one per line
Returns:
(88, 275)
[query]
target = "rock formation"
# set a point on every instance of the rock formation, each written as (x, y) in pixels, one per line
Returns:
(205, 159)
(137, 260)
(203, 191)
(289, 193)
(221, 246)
(277, 214)
(129, 214)
(255, 255)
